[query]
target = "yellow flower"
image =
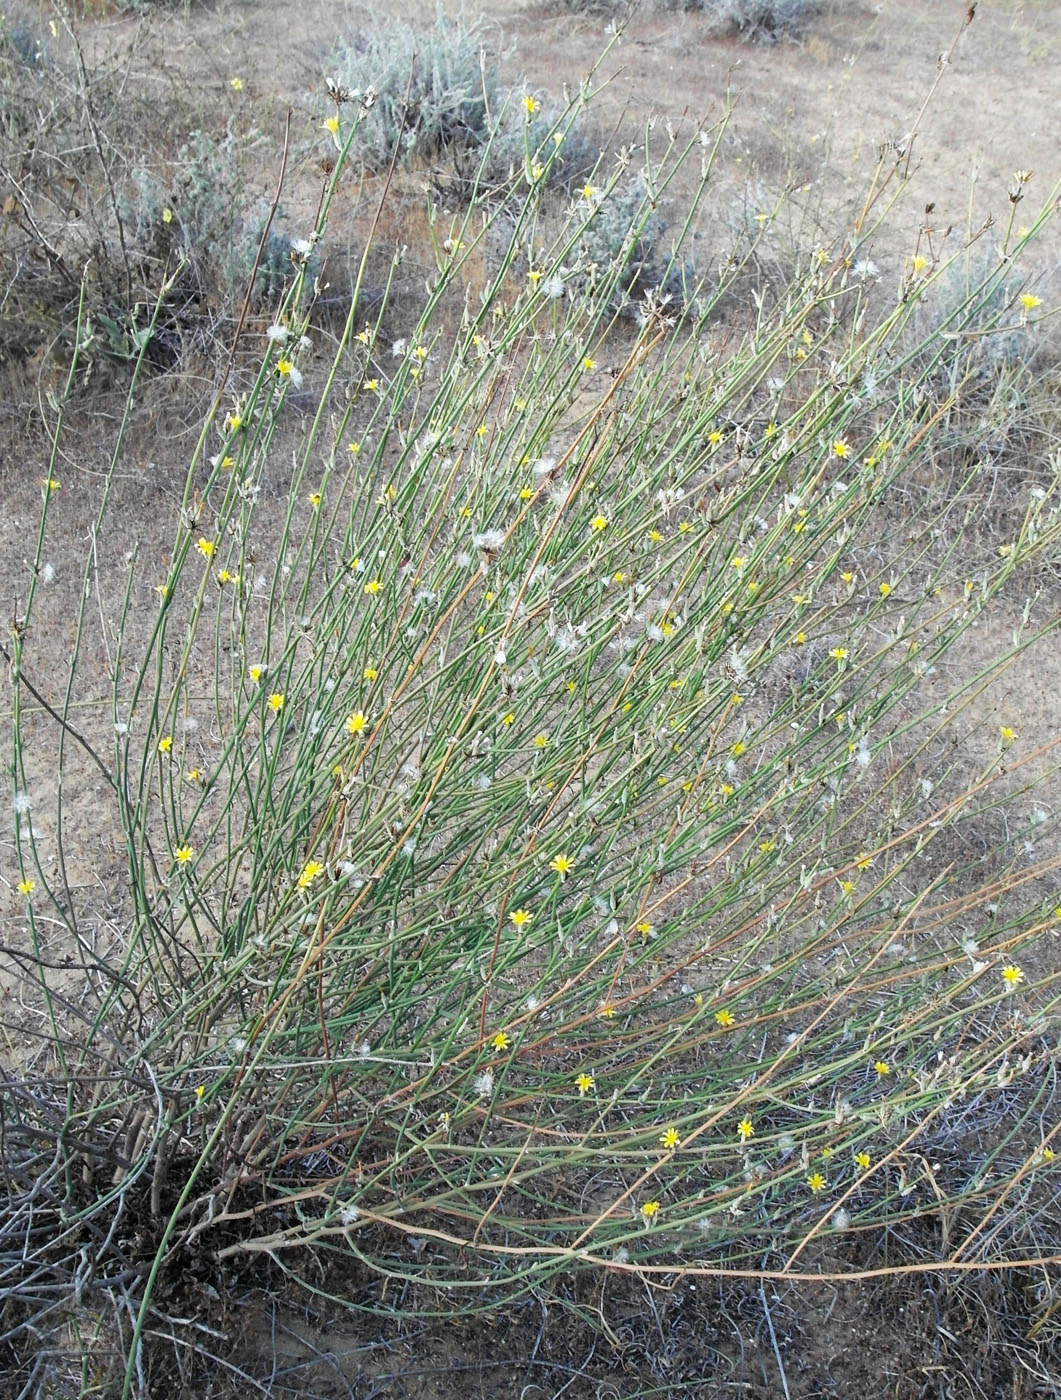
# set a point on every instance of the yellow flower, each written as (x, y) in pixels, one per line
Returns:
(607, 1011)
(591, 193)
(276, 701)
(356, 722)
(840, 653)
(1048, 1154)
(194, 775)
(882, 1067)
(1008, 734)
(183, 854)
(862, 1159)
(500, 1041)
(314, 499)
(561, 864)
(167, 216)
(669, 1138)
(205, 547)
(885, 589)
(530, 104)
(165, 744)
(588, 363)
(255, 673)
(236, 84)
(540, 741)
(725, 1018)
(521, 917)
(841, 448)
(331, 124)
(373, 586)
(26, 886)
(650, 1210)
(816, 1182)
(370, 673)
(1030, 302)
(599, 522)
(508, 719)
(584, 1083)
(1012, 975)
(353, 448)
(310, 871)
(745, 1129)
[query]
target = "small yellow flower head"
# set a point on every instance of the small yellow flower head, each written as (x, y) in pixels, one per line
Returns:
(205, 547)
(583, 1083)
(26, 886)
(841, 448)
(839, 653)
(607, 1011)
(314, 499)
(183, 854)
(588, 363)
(599, 522)
(649, 1211)
(920, 264)
(1030, 302)
(276, 701)
(816, 1182)
(745, 1129)
(540, 741)
(1008, 734)
(165, 744)
(194, 775)
(356, 723)
(200, 1090)
(370, 673)
(669, 1138)
(521, 917)
(715, 436)
(508, 720)
(725, 1018)
(331, 125)
(373, 586)
(255, 673)
(167, 216)
(590, 193)
(882, 1067)
(530, 104)
(309, 873)
(353, 448)
(885, 589)
(500, 1041)
(1048, 1154)
(1012, 976)
(862, 1159)
(561, 864)
(236, 84)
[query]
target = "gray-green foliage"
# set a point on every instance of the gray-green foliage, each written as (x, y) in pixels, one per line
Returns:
(440, 97)
(756, 19)
(434, 87)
